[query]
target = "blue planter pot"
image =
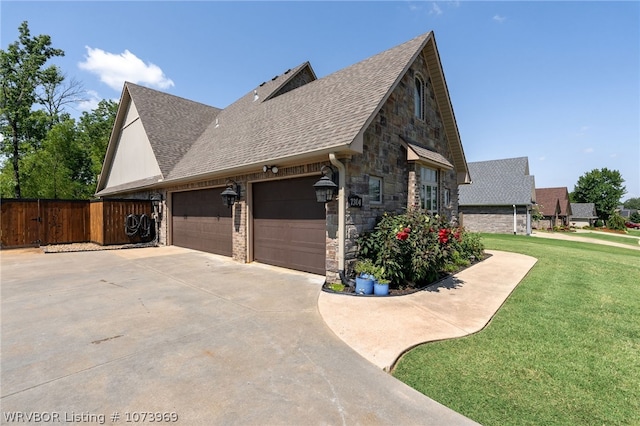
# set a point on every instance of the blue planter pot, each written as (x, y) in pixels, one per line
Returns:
(381, 289)
(364, 285)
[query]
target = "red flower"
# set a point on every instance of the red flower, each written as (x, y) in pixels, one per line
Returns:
(457, 236)
(402, 235)
(443, 236)
(407, 230)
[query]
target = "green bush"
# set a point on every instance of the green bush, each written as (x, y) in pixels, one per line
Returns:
(599, 223)
(414, 248)
(616, 222)
(635, 217)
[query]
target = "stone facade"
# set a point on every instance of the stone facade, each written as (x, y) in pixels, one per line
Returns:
(385, 156)
(494, 219)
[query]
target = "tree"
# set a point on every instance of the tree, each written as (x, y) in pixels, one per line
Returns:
(632, 204)
(602, 187)
(21, 73)
(94, 130)
(61, 169)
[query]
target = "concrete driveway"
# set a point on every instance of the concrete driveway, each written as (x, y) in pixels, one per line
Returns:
(193, 335)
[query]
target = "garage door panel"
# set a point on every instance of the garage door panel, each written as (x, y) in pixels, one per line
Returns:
(289, 225)
(201, 222)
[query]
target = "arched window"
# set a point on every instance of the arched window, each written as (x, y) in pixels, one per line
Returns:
(418, 97)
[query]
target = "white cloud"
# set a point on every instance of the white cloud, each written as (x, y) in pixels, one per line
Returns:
(499, 18)
(114, 69)
(588, 150)
(435, 9)
(614, 155)
(542, 158)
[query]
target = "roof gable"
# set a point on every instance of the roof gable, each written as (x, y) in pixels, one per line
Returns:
(499, 182)
(552, 201)
(171, 125)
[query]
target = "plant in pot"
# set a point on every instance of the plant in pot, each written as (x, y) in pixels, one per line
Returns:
(365, 275)
(381, 283)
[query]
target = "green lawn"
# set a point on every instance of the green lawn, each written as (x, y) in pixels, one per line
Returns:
(563, 350)
(634, 232)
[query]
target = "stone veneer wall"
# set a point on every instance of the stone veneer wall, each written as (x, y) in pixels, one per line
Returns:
(385, 156)
(494, 219)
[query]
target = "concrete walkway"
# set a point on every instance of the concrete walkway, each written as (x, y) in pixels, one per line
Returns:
(576, 237)
(381, 329)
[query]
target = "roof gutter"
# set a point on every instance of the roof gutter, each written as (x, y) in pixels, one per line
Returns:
(341, 209)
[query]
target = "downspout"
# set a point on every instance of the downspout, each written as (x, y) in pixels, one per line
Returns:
(514, 220)
(341, 210)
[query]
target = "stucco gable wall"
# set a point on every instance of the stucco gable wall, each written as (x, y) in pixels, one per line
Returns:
(134, 158)
(385, 156)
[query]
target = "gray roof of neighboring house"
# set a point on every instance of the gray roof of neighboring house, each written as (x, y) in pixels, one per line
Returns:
(583, 210)
(498, 182)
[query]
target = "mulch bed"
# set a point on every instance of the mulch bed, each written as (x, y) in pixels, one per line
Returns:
(408, 289)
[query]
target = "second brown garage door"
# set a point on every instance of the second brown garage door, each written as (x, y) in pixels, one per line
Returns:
(201, 222)
(289, 225)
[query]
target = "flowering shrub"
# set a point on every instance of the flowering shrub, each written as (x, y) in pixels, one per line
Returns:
(415, 247)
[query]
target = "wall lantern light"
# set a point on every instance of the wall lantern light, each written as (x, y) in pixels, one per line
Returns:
(156, 203)
(272, 169)
(231, 194)
(326, 188)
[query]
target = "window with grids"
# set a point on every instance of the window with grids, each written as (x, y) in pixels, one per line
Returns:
(418, 97)
(429, 189)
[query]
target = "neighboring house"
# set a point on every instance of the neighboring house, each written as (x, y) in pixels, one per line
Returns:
(583, 214)
(554, 205)
(384, 126)
(500, 198)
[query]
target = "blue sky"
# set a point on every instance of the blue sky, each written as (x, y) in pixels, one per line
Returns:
(557, 82)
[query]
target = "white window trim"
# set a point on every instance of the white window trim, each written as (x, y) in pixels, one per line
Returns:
(434, 189)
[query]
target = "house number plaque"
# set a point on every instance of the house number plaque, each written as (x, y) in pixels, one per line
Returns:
(355, 201)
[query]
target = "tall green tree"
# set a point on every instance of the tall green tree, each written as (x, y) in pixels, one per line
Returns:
(61, 168)
(603, 187)
(22, 71)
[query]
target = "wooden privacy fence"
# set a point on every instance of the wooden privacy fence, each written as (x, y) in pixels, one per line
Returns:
(29, 223)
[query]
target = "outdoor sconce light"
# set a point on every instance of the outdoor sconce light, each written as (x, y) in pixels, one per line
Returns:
(230, 195)
(156, 202)
(326, 188)
(273, 169)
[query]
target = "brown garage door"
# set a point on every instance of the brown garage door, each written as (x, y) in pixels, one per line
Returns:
(289, 225)
(201, 222)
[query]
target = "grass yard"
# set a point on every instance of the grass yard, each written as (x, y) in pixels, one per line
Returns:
(563, 350)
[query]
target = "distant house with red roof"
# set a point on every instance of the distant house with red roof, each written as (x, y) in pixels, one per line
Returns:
(554, 205)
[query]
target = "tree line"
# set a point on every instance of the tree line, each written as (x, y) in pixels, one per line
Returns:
(44, 152)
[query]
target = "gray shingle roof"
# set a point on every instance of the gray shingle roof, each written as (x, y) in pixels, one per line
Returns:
(324, 114)
(583, 210)
(498, 182)
(294, 116)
